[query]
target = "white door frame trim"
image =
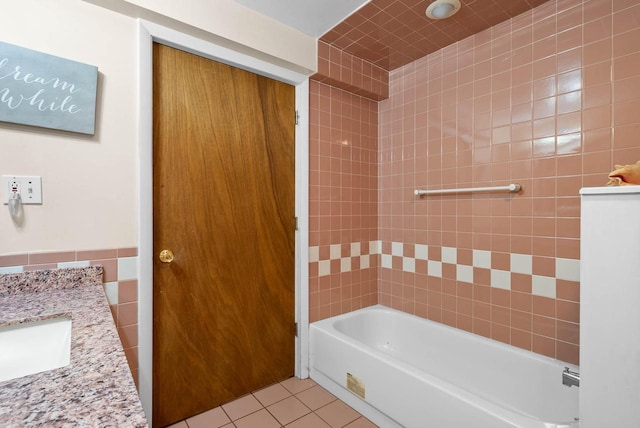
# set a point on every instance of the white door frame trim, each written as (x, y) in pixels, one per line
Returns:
(148, 33)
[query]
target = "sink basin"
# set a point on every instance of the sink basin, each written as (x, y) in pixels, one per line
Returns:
(34, 347)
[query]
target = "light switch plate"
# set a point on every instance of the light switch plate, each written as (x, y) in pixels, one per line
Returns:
(29, 187)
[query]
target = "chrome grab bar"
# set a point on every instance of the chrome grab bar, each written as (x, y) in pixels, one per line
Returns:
(514, 187)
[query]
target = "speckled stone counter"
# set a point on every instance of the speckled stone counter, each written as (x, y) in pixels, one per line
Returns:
(96, 389)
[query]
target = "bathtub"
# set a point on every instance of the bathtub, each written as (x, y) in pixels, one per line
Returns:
(405, 371)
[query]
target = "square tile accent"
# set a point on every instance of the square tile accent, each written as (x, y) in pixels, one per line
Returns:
(522, 263)
(386, 261)
(434, 268)
(543, 286)
(355, 249)
(364, 262)
(501, 279)
(324, 267)
(335, 251)
(449, 255)
(397, 249)
(314, 254)
(345, 264)
(464, 273)
(568, 269)
(127, 268)
(111, 290)
(422, 252)
(482, 259)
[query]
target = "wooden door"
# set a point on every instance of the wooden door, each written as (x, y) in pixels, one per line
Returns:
(223, 191)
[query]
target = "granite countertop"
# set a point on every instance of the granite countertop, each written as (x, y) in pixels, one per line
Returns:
(96, 389)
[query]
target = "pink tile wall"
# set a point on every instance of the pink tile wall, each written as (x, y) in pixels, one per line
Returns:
(343, 201)
(120, 282)
(343, 70)
(548, 99)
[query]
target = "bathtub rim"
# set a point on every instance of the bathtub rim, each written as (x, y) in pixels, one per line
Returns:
(454, 330)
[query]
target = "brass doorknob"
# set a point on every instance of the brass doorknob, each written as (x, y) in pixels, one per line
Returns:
(166, 256)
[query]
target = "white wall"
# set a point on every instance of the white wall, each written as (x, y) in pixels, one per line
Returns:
(90, 183)
(246, 30)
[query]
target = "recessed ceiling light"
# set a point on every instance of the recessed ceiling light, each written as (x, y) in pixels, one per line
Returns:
(441, 9)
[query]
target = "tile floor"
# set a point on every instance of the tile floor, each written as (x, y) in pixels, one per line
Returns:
(293, 403)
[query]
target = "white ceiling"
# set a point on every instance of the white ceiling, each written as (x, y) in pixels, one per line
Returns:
(312, 17)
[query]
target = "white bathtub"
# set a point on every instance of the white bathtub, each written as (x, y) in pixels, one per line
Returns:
(416, 373)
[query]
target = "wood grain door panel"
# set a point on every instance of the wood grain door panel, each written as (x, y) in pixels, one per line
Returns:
(224, 204)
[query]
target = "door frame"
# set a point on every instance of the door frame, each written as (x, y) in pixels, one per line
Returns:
(148, 33)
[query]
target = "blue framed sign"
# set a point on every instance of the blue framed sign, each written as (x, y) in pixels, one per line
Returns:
(43, 90)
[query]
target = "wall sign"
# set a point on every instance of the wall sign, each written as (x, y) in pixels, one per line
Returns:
(45, 90)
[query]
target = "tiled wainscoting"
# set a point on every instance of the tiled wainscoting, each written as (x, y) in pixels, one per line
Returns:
(120, 282)
(527, 301)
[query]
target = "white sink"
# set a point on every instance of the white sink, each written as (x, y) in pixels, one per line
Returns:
(34, 347)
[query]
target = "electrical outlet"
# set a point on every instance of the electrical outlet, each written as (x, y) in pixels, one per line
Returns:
(29, 187)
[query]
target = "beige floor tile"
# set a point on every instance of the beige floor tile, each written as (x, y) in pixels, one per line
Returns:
(337, 414)
(315, 397)
(362, 422)
(295, 385)
(288, 410)
(309, 421)
(181, 424)
(242, 407)
(260, 419)
(271, 394)
(213, 418)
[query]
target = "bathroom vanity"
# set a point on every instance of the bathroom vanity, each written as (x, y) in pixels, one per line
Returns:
(95, 388)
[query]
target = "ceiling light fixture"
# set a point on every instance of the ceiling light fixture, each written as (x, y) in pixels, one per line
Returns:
(441, 9)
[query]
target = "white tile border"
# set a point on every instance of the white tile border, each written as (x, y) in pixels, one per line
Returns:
(127, 268)
(521, 263)
(544, 286)
(464, 273)
(434, 268)
(566, 269)
(482, 259)
(501, 279)
(84, 263)
(449, 255)
(409, 264)
(11, 269)
(111, 290)
(422, 252)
